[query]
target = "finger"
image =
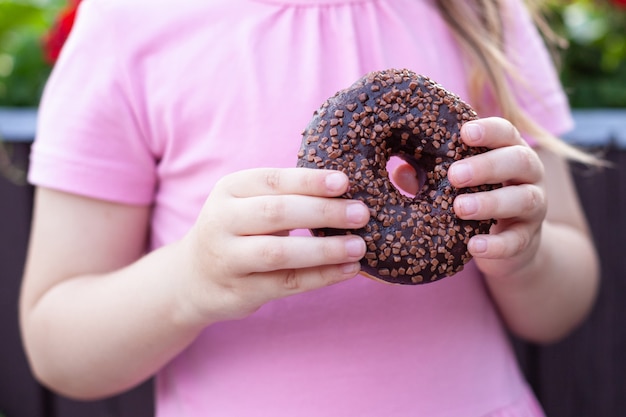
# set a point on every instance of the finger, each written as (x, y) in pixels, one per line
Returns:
(298, 281)
(264, 287)
(245, 294)
(274, 181)
(516, 201)
(506, 244)
(491, 132)
(405, 177)
(512, 165)
(275, 213)
(275, 253)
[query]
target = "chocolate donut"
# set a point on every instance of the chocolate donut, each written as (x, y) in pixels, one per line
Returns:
(410, 240)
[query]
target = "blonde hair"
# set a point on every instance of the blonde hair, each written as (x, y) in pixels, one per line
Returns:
(479, 28)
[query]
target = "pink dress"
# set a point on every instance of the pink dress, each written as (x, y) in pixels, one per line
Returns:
(153, 101)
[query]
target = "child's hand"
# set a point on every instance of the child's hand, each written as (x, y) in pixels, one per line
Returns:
(520, 206)
(241, 253)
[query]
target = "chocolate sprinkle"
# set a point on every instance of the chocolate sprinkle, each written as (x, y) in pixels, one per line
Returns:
(398, 112)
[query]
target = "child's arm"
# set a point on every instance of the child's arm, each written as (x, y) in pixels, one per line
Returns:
(539, 260)
(97, 317)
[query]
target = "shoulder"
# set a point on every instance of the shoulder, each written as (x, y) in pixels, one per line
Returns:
(519, 24)
(538, 87)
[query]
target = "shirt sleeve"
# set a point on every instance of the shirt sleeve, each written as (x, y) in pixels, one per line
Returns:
(90, 137)
(538, 89)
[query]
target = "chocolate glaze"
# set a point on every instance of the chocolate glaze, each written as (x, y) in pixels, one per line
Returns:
(397, 112)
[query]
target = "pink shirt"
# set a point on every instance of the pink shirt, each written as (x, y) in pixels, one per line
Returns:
(153, 101)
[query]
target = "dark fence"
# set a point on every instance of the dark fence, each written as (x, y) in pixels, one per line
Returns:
(581, 376)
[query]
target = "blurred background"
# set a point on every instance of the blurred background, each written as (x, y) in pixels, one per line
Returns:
(584, 375)
(593, 63)
(31, 34)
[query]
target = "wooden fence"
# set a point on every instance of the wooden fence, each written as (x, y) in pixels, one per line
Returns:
(581, 376)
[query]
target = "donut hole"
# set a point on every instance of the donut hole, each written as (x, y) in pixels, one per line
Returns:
(419, 173)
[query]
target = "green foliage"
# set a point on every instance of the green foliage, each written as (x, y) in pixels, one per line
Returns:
(593, 68)
(23, 70)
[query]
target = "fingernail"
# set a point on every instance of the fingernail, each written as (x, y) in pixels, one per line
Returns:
(355, 246)
(467, 204)
(479, 245)
(356, 213)
(460, 173)
(473, 131)
(351, 268)
(336, 181)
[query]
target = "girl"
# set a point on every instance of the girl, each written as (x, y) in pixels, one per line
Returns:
(167, 235)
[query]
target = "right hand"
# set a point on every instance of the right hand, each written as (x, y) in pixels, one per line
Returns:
(241, 253)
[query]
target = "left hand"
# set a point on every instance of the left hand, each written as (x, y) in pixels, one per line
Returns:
(519, 206)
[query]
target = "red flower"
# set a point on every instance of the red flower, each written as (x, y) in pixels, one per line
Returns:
(56, 37)
(620, 3)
